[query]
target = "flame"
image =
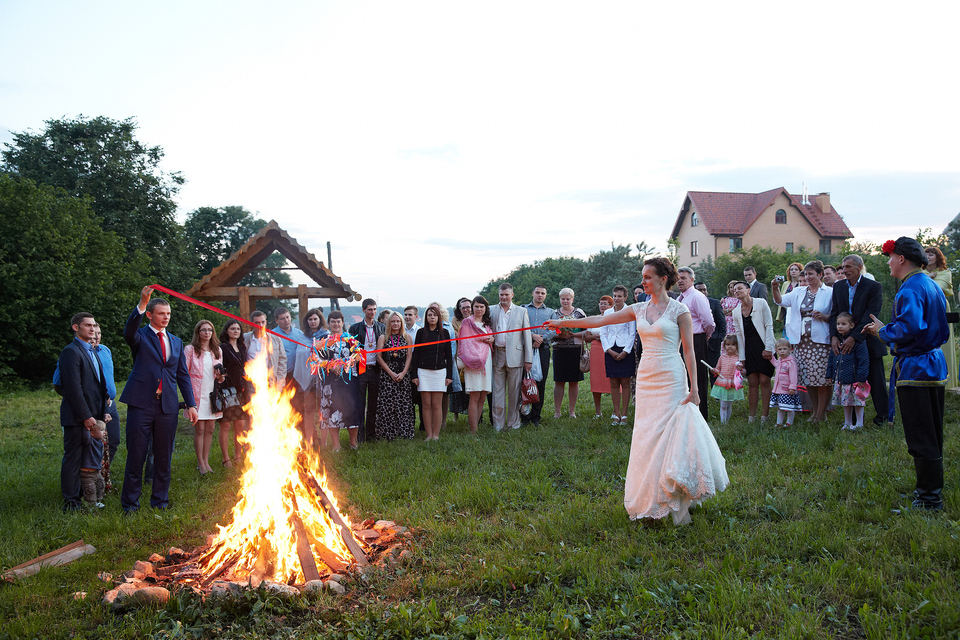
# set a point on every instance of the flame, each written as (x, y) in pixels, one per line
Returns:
(261, 538)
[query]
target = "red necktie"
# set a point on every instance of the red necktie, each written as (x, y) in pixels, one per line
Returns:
(163, 354)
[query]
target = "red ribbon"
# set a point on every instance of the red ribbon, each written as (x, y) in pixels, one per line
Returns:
(363, 352)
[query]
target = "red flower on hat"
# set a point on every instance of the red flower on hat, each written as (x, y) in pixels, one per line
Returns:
(888, 247)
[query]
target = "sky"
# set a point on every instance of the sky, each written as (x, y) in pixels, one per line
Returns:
(438, 145)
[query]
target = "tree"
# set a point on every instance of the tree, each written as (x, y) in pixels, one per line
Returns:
(605, 270)
(55, 260)
(553, 273)
(215, 233)
(101, 159)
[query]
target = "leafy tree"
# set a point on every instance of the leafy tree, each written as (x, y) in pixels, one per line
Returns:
(605, 270)
(101, 159)
(553, 273)
(55, 260)
(589, 279)
(215, 233)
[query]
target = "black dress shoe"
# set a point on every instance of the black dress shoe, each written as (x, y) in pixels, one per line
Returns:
(878, 421)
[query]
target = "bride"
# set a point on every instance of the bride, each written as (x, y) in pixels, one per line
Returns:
(675, 462)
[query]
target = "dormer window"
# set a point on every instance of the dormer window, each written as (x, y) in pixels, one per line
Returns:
(694, 219)
(781, 216)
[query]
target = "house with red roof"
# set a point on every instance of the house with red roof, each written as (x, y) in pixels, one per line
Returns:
(712, 223)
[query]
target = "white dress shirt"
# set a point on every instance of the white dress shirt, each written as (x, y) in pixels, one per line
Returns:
(621, 335)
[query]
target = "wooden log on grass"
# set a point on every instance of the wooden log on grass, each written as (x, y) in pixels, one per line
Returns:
(63, 555)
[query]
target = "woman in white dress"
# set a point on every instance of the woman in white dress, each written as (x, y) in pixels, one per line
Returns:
(675, 462)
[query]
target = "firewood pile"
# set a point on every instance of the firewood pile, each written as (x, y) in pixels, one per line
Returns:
(383, 544)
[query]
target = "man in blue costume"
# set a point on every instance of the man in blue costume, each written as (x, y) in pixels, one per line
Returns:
(916, 330)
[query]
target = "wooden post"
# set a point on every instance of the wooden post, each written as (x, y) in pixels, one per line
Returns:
(333, 301)
(245, 303)
(304, 301)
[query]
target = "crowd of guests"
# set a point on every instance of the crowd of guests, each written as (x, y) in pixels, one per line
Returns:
(824, 359)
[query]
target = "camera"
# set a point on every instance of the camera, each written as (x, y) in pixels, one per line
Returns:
(778, 279)
(219, 369)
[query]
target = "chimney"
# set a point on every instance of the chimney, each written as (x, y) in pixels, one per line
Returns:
(823, 202)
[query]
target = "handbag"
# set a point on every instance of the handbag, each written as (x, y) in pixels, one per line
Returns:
(861, 390)
(216, 399)
(529, 394)
(228, 397)
(584, 360)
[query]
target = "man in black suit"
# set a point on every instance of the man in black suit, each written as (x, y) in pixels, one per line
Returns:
(368, 332)
(757, 288)
(715, 342)
(861, 297)
(84, 402)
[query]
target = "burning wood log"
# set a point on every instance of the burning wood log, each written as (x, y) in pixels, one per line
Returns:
(307, 562)
(345, 532)
(229, 562)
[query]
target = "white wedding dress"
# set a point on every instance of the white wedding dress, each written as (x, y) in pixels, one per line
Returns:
(675, 462)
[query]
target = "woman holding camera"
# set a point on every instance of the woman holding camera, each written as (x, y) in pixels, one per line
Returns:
(203, 363)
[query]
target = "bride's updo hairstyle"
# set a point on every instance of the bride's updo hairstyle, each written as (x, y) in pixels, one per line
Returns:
(663, 267)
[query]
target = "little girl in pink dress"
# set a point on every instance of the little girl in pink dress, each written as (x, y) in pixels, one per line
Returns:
(784, 394)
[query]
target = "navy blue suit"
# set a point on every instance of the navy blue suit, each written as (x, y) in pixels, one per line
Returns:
(84, 396)
(151, 417)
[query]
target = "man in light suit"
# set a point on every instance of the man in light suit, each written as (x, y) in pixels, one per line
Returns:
(757, 288)
(84, 391)
(512, 353)
(159, 368)
(256, 342)
(861, 297)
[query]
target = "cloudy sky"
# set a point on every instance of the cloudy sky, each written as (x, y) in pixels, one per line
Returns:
(438, 145)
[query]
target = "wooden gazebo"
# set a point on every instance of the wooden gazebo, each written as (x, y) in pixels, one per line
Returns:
(221, 283)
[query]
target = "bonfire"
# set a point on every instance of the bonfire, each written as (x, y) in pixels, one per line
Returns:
(286, 524)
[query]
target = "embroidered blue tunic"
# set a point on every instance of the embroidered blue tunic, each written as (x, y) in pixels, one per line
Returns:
(915, 332)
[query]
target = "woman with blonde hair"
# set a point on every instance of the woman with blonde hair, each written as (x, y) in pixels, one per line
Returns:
(567, 348)
(395, 416)
(808, 329)
(791, 282)
(203, 356)
(937, 269)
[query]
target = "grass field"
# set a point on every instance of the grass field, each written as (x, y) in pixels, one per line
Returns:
(523, 535)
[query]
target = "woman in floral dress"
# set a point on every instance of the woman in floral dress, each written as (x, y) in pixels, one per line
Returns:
(394, 401)
(339, 393)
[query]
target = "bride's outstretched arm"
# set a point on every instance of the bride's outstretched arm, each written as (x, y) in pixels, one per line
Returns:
(592, 322)
(686, 338)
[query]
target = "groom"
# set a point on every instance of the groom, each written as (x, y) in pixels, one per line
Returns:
(159, 367)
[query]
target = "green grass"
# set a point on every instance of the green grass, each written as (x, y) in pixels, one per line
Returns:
(523, 534)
